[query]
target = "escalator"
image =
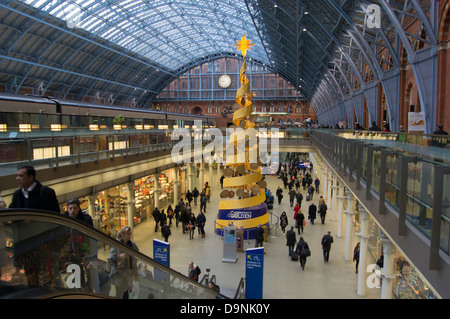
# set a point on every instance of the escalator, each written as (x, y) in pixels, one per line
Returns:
(49, 255)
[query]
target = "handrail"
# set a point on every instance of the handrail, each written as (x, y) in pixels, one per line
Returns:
(240, 292)
(63, 220)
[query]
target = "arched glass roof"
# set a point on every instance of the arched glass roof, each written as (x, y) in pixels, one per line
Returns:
(331, 51)
(169, 33)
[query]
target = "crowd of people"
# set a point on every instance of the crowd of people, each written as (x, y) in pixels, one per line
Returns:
(296, 178)
(184, 214)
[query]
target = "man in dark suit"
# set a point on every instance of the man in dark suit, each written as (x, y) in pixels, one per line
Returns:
(32, 194)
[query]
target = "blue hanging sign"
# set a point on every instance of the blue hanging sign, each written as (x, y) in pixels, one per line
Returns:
(254, 266)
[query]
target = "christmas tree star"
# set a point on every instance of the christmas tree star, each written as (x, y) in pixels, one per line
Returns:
(243, 45)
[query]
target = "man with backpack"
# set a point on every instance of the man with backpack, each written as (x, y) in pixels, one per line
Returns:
(326, 242)
(322, 211)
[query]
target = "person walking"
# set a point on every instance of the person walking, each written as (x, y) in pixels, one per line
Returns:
(299, 220)
(299, 198)
(165, 230)
(326, 242)
(203, 200)
(292, 194)
(311, 190)
(322, 211)
(195, 194)
(317, 183)
(279, 195)
(162, 218)
(283, 222)
(312, 213)
(259, 236)
(207, 191)
(191, 225)
(156, 216)
(177, 214)
(221, 181)
(32, 194)
(303, 252)
(184, 218)
(189, 197)
(170, 214)
(291, 240)
(201, 220)
(356, 256)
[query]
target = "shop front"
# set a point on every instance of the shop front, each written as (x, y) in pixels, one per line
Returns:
(408, 283)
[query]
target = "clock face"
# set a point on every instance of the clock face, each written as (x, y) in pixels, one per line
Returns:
(224, 81)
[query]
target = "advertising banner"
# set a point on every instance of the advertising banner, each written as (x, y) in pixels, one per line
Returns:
(416, 121)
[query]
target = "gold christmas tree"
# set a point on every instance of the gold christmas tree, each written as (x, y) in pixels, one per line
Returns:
(243, 176)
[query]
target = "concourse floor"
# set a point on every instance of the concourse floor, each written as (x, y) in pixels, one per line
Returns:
(283, 278)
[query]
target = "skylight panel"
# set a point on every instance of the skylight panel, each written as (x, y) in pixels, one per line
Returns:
(167, 32)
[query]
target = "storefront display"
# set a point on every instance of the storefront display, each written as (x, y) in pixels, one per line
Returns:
(144, 198)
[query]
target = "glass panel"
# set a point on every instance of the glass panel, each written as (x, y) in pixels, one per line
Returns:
(420, 181)
(392, 180)
(40, 258)
(376, 166)
(445, 221)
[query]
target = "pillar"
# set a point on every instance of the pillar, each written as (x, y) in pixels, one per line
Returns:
(219, 171)
(387, 272)
(349, 227)
(190, 176)
(202, 176)
(323, 182)
(210, 168)
(157, 193)
(131, 208)
(340, 199)
(334, 188)
(363, 236)
(328, 197)
(91, 205)
(176, 185)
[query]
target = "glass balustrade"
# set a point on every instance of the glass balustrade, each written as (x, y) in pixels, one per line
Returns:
(44, 255)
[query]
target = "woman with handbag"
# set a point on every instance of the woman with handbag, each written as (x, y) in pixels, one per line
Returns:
(303, 252)
(123, 267)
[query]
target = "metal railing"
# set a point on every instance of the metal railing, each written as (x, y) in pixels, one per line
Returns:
(415, 185)
(49, 254)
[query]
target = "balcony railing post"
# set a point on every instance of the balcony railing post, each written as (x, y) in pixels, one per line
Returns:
(404, 160)
(369, 169)
(358, 161)
(383, 170)
(351, 159)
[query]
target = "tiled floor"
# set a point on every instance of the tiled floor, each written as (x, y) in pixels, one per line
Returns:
(283, 278)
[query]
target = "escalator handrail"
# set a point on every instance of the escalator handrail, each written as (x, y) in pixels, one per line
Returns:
(239, 288)
(61, 219)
